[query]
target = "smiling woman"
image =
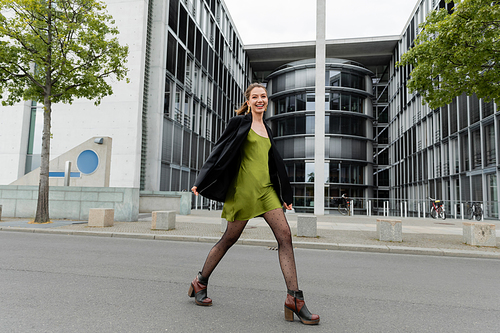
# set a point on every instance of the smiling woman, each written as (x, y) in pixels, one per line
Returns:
(246, 171)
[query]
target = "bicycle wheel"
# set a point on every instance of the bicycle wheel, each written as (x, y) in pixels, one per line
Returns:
(433, 213)
(343, 209)
(441, 213)
(479, 213)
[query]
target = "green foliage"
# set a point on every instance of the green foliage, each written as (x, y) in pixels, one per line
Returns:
(58, 49)
(457, 53)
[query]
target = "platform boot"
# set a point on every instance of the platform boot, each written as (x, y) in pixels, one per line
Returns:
(198, 290)
(295, 304)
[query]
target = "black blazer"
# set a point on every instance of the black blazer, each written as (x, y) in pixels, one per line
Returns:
(223, 163)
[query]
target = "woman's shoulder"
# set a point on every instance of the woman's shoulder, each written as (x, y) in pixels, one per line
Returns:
(238, 119)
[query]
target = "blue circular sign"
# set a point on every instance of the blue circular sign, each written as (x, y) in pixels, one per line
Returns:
(87, 161)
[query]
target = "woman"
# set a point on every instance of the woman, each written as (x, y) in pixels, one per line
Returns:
(246, 172)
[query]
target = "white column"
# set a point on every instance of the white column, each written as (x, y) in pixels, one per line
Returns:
(319, 140)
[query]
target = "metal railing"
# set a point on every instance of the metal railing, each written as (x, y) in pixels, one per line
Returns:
(420, 208)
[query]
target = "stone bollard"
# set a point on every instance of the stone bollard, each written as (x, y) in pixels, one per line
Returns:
(479, 234)
(101, 217)
(163, 220)
(223, 225)
(389, 230)
(306, 226)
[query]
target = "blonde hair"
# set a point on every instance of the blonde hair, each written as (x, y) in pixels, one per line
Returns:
(244, 107)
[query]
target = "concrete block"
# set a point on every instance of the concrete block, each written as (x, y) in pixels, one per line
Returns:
(389, 230)
(307, 226)
(223, 225)
(163, 220)
(479, 234)
(101, 217)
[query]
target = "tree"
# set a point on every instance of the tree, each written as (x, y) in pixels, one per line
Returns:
(457, 52)
(54, 51)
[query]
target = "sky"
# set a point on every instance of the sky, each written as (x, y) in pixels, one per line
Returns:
(275, 21)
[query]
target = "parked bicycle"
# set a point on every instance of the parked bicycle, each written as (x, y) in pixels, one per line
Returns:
(437, 209)
(475, 210)
(345, 205)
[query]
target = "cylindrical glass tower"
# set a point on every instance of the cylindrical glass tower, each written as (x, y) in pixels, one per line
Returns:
(348, 130)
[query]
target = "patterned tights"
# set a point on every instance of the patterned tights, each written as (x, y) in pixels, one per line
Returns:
(277, 221)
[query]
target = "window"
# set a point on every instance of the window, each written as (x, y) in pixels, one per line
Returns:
(166, 103)
(489, 142)
(171, 53)
(476, 149)
(310, 104)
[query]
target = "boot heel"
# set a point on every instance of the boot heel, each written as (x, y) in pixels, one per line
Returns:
(288, 314)
(191, 291)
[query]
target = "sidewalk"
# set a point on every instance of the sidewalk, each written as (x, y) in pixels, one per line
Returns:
(335, 232)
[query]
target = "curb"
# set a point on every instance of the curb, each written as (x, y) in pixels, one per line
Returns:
(391, 249)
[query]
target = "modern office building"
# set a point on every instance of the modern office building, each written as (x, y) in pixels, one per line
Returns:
(447, 153)
(188, 71)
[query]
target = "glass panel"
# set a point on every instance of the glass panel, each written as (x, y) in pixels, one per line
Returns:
(354, 104)
(464, 159)
(334, 172)
(489, 138)
(333, 78)
(477, 188)
(290, 80)
(300, 171)
(310, 173)
(300, 125)
(310, 106)
(334, 101)
(476, 149)
(334, 124)
(345, 102)
(300, 78)
(299, 147)
(311, 77)
(291, 103)
(281, 105)
(473, 108)
(346, 80)
(301, 102)
(487, 108)
(310, 147)
(290, 126)
(309, 124)
(492, 196)
(288, 148)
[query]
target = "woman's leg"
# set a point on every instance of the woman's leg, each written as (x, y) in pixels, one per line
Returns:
(281, 230)
(232, 234)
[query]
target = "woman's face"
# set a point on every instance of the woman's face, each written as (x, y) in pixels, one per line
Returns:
(257, 101)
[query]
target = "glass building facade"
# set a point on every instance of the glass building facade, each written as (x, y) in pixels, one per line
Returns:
(449, 153)
(207, 72)
(348, 129)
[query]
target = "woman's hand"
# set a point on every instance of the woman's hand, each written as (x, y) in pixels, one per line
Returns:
(194, 189)
(288, 207)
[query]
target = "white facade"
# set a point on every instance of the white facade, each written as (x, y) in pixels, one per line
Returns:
(118, 116)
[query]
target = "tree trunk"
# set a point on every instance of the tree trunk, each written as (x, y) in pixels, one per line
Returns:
(42, 209)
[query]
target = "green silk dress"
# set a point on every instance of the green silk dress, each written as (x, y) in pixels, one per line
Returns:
(251, 193)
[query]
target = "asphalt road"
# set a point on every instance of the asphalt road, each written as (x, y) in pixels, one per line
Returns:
(59, 283)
